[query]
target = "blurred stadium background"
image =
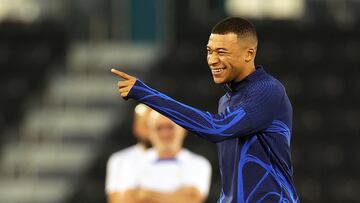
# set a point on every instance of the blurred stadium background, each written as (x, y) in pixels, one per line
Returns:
(61, 116)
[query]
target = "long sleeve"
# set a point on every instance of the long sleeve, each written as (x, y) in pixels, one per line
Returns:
(254, 113)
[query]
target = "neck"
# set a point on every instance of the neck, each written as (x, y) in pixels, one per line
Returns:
(167, 154)
(250, 68)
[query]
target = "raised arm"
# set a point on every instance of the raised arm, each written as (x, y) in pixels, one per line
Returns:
(255, 112)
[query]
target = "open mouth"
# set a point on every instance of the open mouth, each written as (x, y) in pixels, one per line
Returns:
(217, 71)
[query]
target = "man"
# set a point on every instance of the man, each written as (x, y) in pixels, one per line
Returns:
(118, 161)
(168, 173)
(253, 126)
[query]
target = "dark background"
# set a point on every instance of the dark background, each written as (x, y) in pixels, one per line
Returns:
(316, 56)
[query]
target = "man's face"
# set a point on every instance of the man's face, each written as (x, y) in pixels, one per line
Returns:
(140, 126)
(165, 134)
(226, 57)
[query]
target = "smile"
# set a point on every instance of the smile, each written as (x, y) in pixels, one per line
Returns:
(217, 70)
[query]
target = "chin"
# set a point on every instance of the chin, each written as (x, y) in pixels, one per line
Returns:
(219, 81)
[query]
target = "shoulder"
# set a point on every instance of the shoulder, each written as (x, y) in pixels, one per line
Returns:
(266, 85)
(122, 154)
(117, 156)
(276, 83)
(145, 160)
(150, 155)
(195, 159)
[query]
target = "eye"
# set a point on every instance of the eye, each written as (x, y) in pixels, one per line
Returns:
(222, 53)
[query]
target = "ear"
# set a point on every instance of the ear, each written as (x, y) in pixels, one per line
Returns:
(250, 54)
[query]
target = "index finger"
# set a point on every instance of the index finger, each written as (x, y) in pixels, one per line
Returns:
(121, 74)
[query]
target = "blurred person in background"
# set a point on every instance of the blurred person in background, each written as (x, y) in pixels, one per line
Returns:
(169, 173)
(118, 161)
(252, 128)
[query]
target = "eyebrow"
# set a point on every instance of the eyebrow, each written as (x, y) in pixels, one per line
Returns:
(217, 49)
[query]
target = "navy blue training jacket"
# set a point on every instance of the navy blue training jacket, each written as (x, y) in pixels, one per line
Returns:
(252, 130)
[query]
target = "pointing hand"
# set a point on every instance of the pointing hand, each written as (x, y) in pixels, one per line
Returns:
(126, 84)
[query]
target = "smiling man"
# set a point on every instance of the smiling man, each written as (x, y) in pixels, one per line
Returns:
(252, 128)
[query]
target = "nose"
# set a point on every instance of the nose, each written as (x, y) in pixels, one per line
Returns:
(212, 59)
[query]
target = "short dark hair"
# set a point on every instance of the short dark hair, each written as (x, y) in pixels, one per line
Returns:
(239, 26)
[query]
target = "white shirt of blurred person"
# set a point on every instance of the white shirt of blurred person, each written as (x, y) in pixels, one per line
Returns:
(169, 173)
(115, 177)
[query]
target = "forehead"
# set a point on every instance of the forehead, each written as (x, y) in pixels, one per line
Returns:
(222, 41)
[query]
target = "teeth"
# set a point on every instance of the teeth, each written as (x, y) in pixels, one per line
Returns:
(217, 70)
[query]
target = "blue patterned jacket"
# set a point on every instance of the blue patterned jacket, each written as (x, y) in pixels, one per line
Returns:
(252, 130)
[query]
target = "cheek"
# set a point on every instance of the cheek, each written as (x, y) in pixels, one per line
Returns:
(225, 61)
(222, 58)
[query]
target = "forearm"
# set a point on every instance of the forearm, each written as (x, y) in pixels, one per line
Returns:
(212, 127)
(253, 113)
(132, 196)
(114, 197)
(188, 195)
